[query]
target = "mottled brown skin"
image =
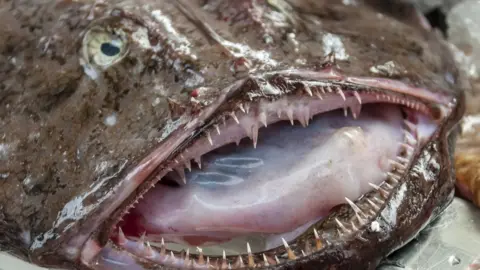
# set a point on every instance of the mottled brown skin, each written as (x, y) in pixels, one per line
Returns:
(53, 113)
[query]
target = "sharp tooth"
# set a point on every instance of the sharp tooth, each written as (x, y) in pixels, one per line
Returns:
(141, 240)
(340, 92)
(263, 118)
(187, 255)
(397, 164)
(303, 253)
(290, 115)
(217, 128)
(198, 160)
(251, 262)
(290, 253)
(303, 117)
(209, 138)
(247, 107)
(200, 260)
(393, 177)
(318, 241)
(163, 250)
(319, 96)
(279, 113)
(232, 114)
(403, 160)
(239, 262)
(329, 89)
(407, 147)
(357, 95)
(342, 226)
(390, 187)
(379, 200)
(172, 256)
(376, 207)
(322, 89)
(254, 133)
(224, 260)
(121, 237)
(277, 260)
(188, 165)
(308, 90)
(241, 107)
(355, 109)
(410, 125)
(176, 161)
(181, 173)
(149, 252)
(354, 228)
(357, 210)
(345, 112)
(383, 192)
(265, 260)
(409, 137)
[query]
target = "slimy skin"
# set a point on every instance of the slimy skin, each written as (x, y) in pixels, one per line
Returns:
(352, 107)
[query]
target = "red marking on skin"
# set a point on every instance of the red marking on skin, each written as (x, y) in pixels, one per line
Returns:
(195, 93)
(240, 61)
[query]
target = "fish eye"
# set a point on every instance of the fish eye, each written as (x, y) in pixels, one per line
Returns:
(103, 47)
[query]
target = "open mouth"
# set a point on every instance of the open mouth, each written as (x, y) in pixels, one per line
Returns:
(261, 184)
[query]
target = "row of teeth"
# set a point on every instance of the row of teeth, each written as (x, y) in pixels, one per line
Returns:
(185, 260)
(294, 112)
(371, 205)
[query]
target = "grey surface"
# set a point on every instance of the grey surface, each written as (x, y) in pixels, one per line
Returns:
(456, 234)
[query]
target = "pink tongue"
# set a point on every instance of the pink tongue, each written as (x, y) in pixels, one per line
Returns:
(293, 177)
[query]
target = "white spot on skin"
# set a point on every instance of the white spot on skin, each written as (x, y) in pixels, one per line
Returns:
(26, 237)
(90, 71)
(349, 2)
(4, 151)
(43, 238)
(141, 37)
(27, 181)
(75, 210)
(389, 68)
(390, 212)
(453, 260)
(182, 45)
(293, 42)
(375, 226)
(156, 102)
(100, 168)
(333, 43)
(110, 120)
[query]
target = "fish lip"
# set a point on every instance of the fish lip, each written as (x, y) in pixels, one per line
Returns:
(75, 240)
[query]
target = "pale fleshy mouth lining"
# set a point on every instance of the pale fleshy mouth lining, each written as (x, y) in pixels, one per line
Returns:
(172, 224)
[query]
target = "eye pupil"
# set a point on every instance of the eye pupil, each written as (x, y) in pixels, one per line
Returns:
(109, 50)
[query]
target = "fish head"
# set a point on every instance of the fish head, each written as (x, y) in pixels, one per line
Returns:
(120, 120)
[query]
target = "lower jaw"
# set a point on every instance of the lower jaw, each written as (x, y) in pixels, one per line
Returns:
(260, 240)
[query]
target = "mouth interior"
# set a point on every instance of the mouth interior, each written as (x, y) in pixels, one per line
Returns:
(291, 180)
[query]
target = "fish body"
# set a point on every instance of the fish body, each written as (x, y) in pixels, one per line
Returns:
(101, 100)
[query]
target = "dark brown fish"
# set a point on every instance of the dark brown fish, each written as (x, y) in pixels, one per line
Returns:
(345, 115)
